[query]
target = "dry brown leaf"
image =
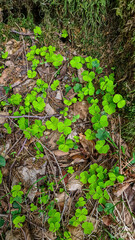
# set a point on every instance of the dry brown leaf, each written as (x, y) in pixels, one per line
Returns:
(49, 110)
(120, 189)
(107, 220)
(63, 199)
(3, 119)
(78, 158)
(63, 70)
(88, 145)
(59, 153)
(74, 184)
(81, 108)
(80, 74)
(76, 232)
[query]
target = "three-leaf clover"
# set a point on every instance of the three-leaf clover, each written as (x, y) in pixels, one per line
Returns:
(53, 123)
(119, 100)
(18, 221)
(101, 146)
(88, 227)
(54, 85)
(65, 145)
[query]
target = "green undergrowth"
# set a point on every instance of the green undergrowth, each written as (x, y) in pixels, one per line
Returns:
(98, 90)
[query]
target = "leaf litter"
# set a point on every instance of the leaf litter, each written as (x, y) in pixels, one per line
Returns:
(28, 170)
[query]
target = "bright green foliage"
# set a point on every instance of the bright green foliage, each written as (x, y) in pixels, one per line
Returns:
(9, 130)
(65, 145)
(18, 221)
(4, 55)
(35, 63)
(33, 207)
(99, 179)
(69, 102)
(40, 150)
(15, 99)
(94, 108)
(70, 170)
(64, 127)
(67, 235)
(57, 60)
(101, 146)
(35, 129)
(75, 118)
(119, 100)
(84, 177)
(54, 85)
(77, 62)
(1, 175)
(37, 31)
(31, 74)
(106, 84)
(23, 123)
(64, 33)
(80, 202)
(99, 122)
(54, 220)
(88, 76)
(52, 124)
(43, 199)
(80, 96)
(64, 112)
(80, 216)
(39, 104)
(88, 227)
(50, 186)
(16, 191)
(89, 135)
(108, 105)
(89, 89)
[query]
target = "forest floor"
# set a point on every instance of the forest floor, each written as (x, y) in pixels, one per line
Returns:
(45, 189)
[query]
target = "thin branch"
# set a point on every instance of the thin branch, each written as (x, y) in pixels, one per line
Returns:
(27, 116)
(21, 33)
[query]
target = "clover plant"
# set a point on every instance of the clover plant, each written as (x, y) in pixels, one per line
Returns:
(9, 130)
(65, 145)
(31, 74)
(54, 220)
(77, 62)
(52, 123)
(18, 221)
(65, 126)
(64, 112)
(15, 99)
(33, 207)
(98, 179)
(64, 33)
(54, 85)
(4, 55)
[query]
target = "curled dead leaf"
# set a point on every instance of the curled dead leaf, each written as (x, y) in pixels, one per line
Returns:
(88, 145)
(76, 232)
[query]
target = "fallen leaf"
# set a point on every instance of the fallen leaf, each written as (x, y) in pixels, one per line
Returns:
(59, 153)
(58, 95)
(76, 232)
(120, 189)
(63, 199)
(88, 145)
(107, 220)
(3, 119)
(81, 108)
(74, 184)
(80, 74)
(49, 110)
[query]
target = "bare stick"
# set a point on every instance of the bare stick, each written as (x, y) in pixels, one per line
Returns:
(21, 33)
(27, 116)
